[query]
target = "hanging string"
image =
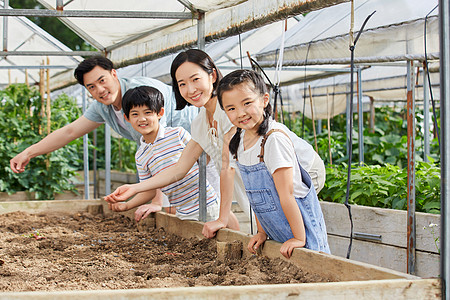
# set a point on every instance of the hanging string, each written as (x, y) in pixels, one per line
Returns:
(350, 140)
(428, 77)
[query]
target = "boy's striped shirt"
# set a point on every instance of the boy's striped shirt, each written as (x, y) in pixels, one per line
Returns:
(163, 153)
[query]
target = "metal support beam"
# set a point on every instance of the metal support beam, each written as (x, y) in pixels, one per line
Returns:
(360, 119)
(96, 14)
(411, 193)
(85, 152)
(202, 159)
(347, 118)
(22, 67)
(444, 38)
(358, 60)
(5, 26)
(50, 53)
(426, 116)
(107, 159)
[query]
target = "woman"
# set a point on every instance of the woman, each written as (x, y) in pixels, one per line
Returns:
(194, 81)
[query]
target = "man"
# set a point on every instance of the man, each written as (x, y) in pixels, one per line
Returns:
(100, 79)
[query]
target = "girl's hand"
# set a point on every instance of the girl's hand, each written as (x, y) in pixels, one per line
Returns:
(256, 241)
(122, 193)
(210, 228)
(288, 246)
(144, 210)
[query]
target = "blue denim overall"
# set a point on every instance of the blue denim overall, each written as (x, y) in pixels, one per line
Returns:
(265, 202)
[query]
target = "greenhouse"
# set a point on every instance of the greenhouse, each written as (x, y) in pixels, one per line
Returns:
(360, 81)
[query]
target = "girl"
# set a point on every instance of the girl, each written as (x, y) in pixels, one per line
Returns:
(194, 81)
(280, 191)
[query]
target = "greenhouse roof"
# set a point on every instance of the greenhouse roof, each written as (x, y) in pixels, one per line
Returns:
(135, 31)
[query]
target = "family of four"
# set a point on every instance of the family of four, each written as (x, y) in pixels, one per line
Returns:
(271, 173)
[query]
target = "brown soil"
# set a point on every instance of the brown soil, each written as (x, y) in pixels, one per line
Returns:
(43, 252)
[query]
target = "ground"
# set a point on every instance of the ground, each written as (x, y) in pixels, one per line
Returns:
(49, 252)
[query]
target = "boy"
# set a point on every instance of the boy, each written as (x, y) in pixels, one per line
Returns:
(161, 148)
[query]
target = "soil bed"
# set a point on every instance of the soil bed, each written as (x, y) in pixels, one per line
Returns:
(45, 252)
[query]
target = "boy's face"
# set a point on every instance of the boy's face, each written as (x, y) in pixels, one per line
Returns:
(145, 121)
(103, 85)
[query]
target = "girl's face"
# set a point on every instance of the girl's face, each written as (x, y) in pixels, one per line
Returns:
(244, 107)
(194, 83)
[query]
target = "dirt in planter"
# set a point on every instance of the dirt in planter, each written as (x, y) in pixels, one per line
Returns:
(49, 252)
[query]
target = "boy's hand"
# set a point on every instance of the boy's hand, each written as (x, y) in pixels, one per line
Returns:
(122, 193)
(144, 210)
(288, 246)
(119, 206)
(256, 241)
(210, 228)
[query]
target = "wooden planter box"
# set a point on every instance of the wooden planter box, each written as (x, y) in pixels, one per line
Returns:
(357, 279)
(380, 237)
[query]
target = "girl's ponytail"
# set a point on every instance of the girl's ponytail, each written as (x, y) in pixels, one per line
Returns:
(234, 142)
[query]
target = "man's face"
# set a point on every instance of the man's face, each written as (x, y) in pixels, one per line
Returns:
(103, 85)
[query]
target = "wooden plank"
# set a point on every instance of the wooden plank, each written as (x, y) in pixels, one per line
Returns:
(330, 266)
(49, 205)
(427, 264)
(429, 289)
(389, 223)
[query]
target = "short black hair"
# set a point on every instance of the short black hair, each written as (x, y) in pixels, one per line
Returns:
(88, 64)
(142, 96)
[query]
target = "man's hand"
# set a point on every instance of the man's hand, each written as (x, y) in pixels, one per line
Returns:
(256, 241)
(122, 193)
(19, 162)
(144, 210)
(288, 246)
(210, 228)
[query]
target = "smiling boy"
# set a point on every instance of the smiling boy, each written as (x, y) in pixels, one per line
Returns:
(160, 148)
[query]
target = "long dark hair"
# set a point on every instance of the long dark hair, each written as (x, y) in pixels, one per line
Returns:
(256, 83)
(200, 58)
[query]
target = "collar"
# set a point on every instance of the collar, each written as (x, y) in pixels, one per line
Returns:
(159, 135)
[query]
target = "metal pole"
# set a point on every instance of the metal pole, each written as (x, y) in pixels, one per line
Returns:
(94, 167)
(426, 116)
(202, 159)
(107, 159)
(95, 14)
(85, 153)
(319, 126)
(411, 222)
(444, 37)
(360, 119)
(347, 117)
(5, 26)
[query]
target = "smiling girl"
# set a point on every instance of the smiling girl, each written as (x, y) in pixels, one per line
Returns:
(280, 191)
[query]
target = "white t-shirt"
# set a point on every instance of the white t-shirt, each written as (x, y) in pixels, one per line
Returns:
(211, 140)
(278, 153)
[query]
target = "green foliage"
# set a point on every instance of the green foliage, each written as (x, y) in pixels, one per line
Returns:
(20, 126)
(384, 186)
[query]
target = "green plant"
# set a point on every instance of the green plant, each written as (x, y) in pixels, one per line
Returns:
(21, 125)
(384, 186)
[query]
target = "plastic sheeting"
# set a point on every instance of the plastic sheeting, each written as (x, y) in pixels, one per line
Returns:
(24, 35)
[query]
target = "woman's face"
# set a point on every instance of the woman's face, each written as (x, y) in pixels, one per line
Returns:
(194, 83)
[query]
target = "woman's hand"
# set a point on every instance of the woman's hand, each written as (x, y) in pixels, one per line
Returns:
(288, 246)
(122, 193)
(256, 241)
